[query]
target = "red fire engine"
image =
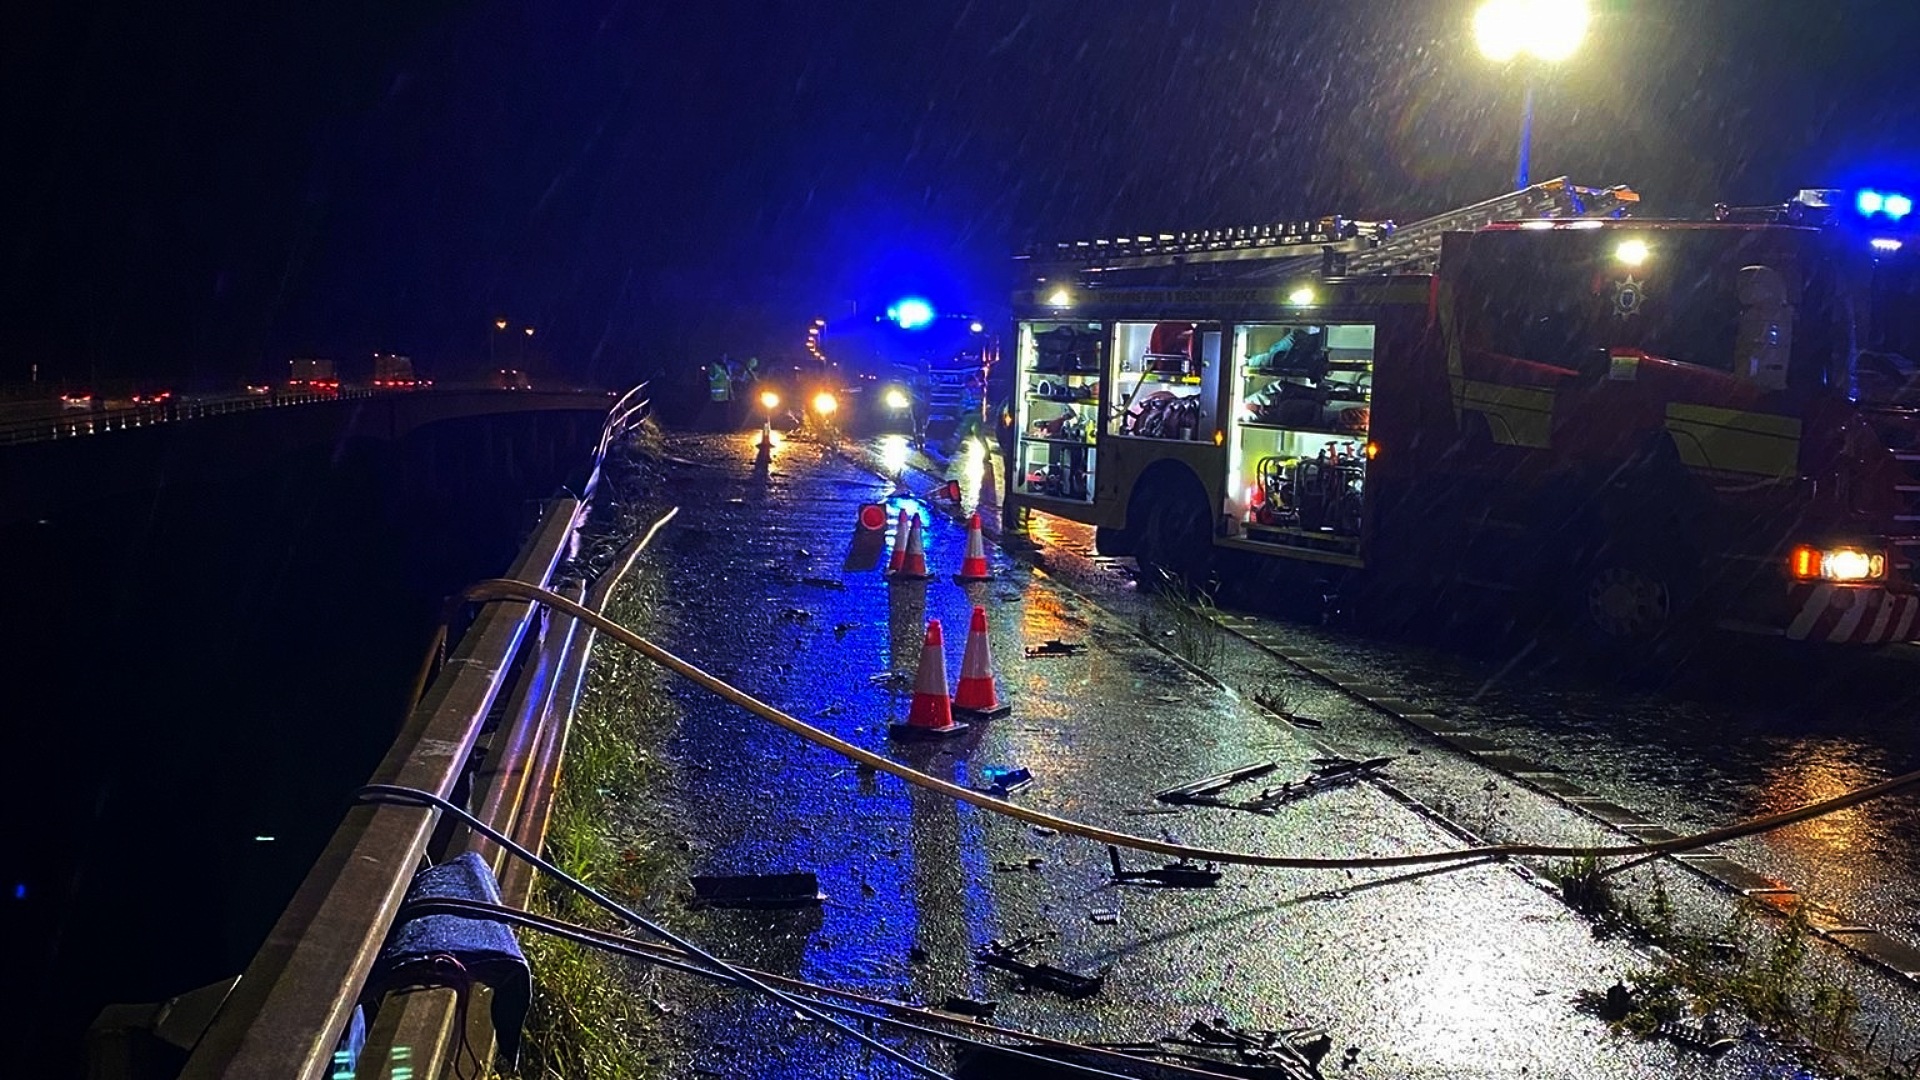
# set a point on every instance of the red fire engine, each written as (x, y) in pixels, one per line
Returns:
(1647, 426)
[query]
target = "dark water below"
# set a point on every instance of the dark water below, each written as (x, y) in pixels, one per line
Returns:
(197, 680)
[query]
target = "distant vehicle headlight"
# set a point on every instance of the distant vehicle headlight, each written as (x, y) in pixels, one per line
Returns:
(897, 398)
(824, 403)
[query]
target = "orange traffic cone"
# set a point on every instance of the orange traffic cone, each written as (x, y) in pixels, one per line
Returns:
(977, 699)
(869, 538)
(974, 566)
(914, 566)
(932, 710)
(899, 558)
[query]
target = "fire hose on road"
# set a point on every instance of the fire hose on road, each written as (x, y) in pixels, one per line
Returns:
(502, 589)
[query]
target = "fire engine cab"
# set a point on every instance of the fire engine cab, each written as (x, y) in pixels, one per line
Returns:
(1642, 426)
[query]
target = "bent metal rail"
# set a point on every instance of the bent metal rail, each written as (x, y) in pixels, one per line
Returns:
(287, 1015)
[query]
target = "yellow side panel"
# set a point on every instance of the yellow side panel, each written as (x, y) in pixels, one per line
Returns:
(1730, 440)
(1517, 415)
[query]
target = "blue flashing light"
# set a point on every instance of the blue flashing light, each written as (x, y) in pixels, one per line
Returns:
(911, 313)
(1872, 203)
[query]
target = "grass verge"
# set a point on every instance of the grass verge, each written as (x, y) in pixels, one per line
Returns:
(1180, 619)
(593, 1015)
(1704, 986)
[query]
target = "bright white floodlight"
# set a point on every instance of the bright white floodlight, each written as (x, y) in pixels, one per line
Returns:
(1543, 29)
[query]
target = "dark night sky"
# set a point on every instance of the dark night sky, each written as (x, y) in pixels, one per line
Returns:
(212, 188)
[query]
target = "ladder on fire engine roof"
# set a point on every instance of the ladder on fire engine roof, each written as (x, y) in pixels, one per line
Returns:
(1334, 245)
(1415, 248)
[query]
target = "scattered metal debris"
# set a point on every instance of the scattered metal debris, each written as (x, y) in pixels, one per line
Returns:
(1617, 1005)
(1705, 1036)
(1220, 1049)
(840, 630)
(824, 582)
(1199, 790)
(966, 1006)
(1005, 956)
(1007, 866)
(794, 614)
(1104, 916)
(1002, 782)
(1175, 875)
(1328, 773)
(758, 890)
(1055, 647)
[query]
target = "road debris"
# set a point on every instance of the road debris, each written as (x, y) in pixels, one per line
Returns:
(1199, 790)
(1174, 875)
(1055, 647)
(966, 1006)
(800, 889)
(1002, 782)
(1206, 1048)
(1006, 956)
(1328, 773)
(1705, 1037)
(824, 583)
(1104, 916)
(1008, 866)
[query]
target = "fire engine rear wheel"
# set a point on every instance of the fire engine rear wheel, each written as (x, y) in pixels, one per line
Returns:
(1624, 603)
(1636, 601)
(1172, 530)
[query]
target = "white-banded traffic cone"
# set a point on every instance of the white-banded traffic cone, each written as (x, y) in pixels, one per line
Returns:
(932, 710)
(976, 698)
(899, 558)
(913, 567)
(974, 567)
(763, 451)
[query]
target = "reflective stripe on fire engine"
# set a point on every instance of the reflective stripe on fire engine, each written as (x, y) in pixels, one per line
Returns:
(1732, 440)
(1835, 615)
(1516, 415)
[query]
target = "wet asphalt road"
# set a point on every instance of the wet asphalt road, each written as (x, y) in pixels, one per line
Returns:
(1469, 972)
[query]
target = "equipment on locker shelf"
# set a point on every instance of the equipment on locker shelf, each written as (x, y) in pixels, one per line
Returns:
(1318, 493)
(1066, 350)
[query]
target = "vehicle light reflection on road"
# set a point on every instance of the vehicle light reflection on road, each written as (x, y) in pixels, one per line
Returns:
(973, 469)
(894, 450)
(1815, 771)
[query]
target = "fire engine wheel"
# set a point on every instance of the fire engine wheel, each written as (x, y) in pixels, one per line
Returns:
(1626, 603)
(1172, 533)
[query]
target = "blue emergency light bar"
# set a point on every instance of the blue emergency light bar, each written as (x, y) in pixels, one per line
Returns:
(1871, 203)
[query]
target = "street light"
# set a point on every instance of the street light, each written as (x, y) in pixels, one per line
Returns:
(493, 341)
(1543, 30)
